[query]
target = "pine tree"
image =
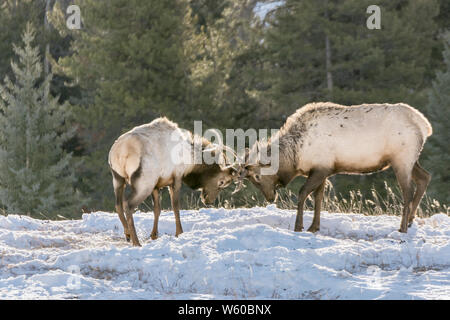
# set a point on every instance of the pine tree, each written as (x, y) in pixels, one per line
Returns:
(311, 42)
(220, 49)
(438, 161)
(129, 62)
(36, 176)
(365, 65)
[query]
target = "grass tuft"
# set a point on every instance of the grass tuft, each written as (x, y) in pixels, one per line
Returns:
(387, 201)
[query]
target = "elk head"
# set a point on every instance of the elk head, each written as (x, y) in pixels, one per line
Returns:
(251, 169)
(216, 176)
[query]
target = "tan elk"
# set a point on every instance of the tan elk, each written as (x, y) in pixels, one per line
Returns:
(323, 139)
(157, 155)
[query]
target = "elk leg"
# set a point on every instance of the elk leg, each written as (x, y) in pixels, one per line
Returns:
(405, 182)
(175, 198)
(315, 179)
(130, 204)
(136, 197)
(318, 196)
(156, 212)
(421, 178)
(119, 187)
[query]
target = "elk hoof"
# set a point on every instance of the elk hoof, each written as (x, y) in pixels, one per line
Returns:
(403, 231)
(313, 229)
(178, 233)
(298, 229)
(410, 221)
(135, 242)
(127, 237)
(154, 236)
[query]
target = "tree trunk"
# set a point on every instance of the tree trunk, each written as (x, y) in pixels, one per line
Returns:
(328, 65)
(328, 57)
(47, 47)
(329, 74)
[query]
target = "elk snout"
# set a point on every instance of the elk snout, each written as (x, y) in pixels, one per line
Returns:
(206, 198)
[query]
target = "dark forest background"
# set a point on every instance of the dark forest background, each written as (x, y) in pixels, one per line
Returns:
(230, 63)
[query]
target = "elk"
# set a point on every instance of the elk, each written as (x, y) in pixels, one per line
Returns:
(160, 154)
(324, 139)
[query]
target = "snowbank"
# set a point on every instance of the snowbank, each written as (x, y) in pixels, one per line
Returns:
(226, 254)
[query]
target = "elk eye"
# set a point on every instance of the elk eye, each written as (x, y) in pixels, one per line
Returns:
(221, 183)
(257, 177)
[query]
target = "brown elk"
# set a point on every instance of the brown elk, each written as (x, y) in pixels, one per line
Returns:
(157, 155)
(323, 139)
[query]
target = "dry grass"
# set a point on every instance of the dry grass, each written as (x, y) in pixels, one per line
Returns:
(387, 201)
(384, 201)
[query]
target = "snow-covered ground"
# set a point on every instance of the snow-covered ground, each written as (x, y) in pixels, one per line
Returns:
(225, 254)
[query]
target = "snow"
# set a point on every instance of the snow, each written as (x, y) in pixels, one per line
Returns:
(262, 8)
(225, 254)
